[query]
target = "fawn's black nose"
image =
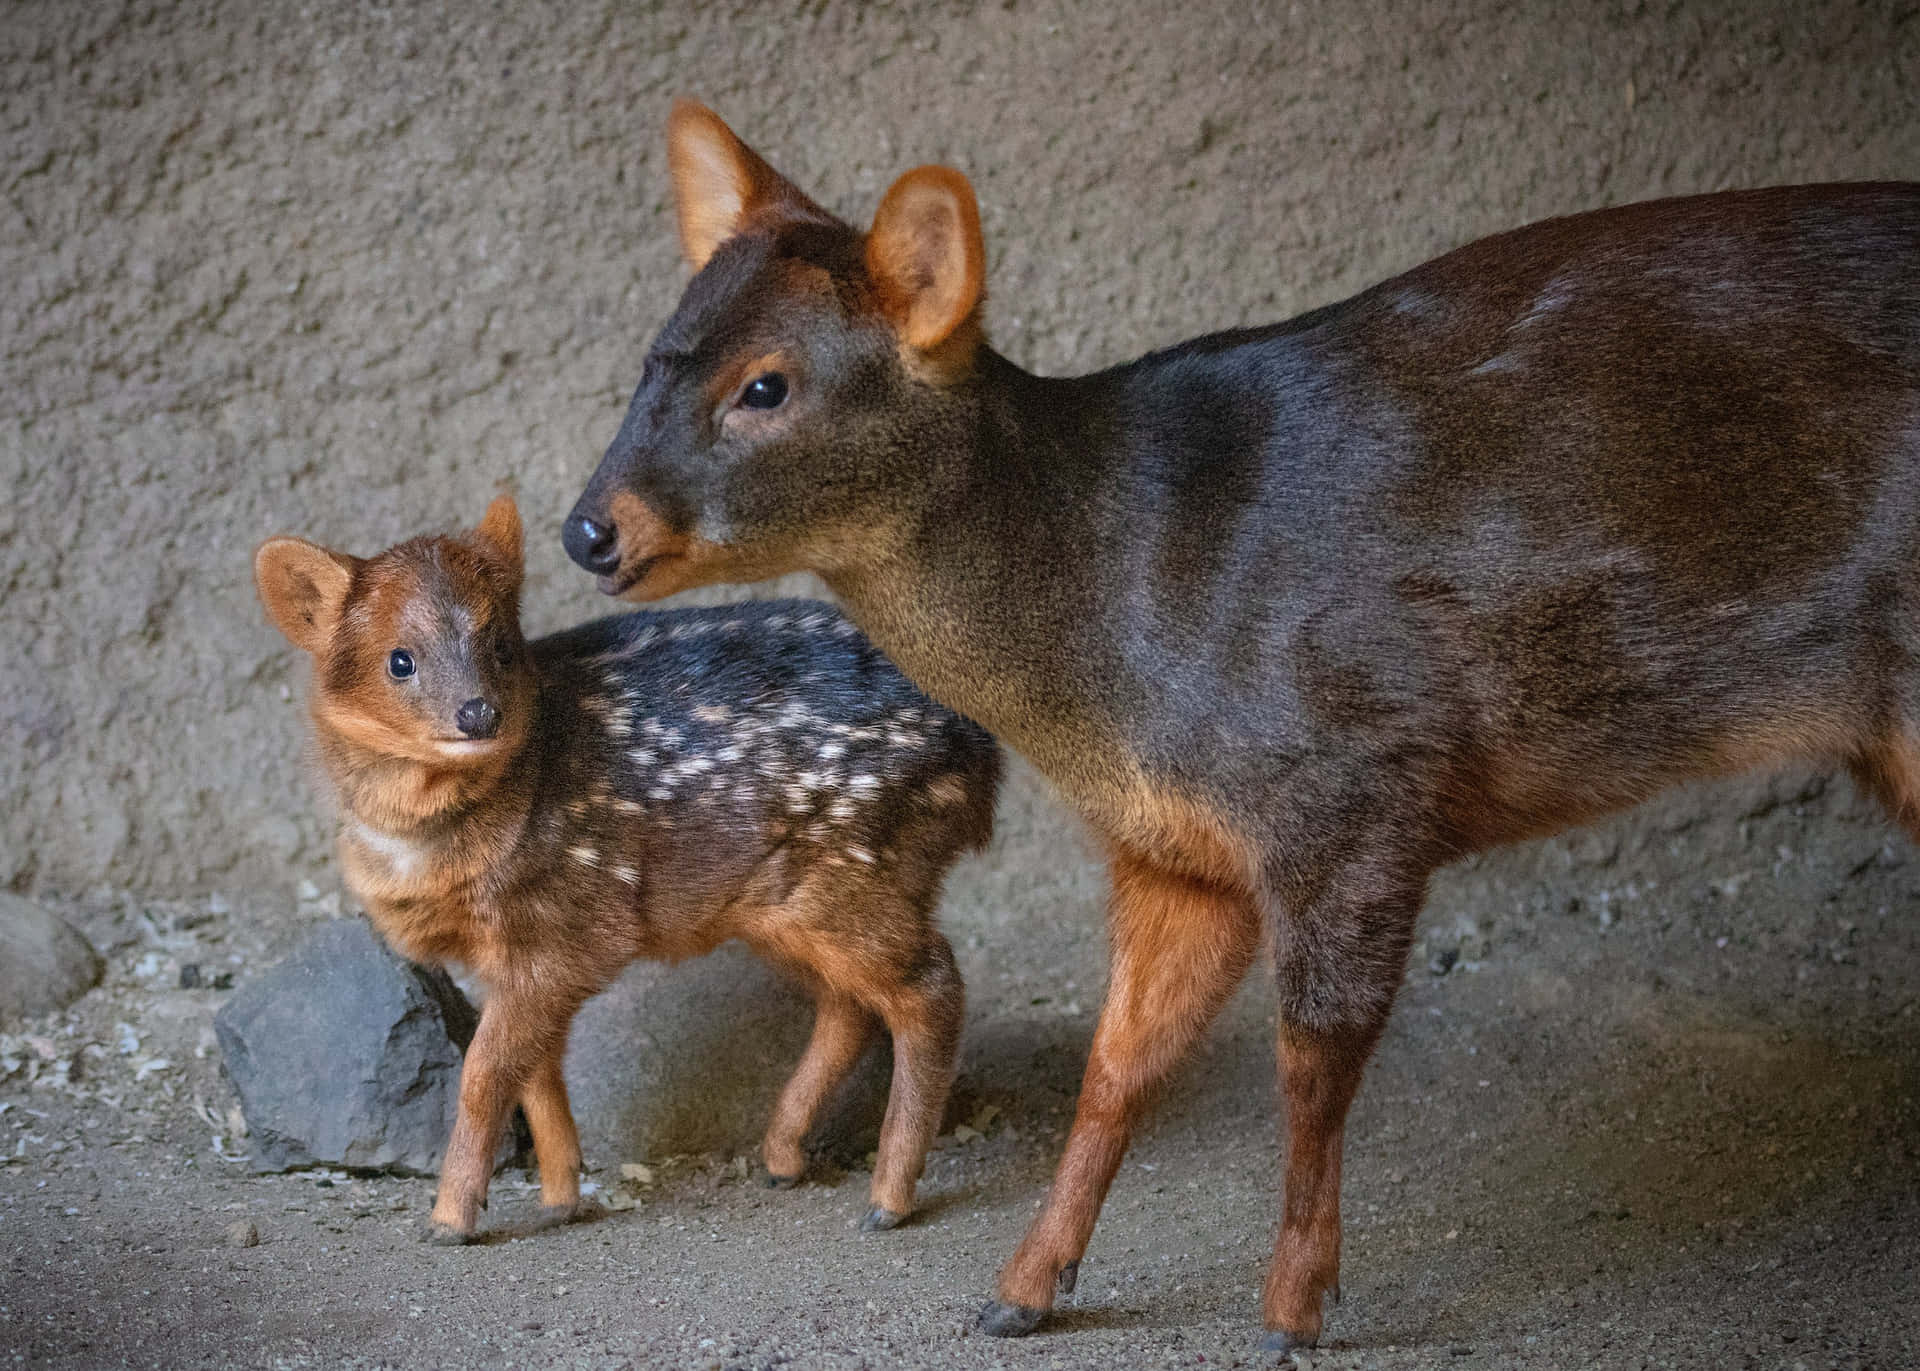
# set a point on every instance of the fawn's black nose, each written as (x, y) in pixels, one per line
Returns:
(593, 545)
(477, 719)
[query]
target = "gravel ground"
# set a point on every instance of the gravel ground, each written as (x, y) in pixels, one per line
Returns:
(1650, 1098)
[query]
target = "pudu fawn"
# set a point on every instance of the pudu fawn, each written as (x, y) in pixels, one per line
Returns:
(644, 786)
(1295, 615)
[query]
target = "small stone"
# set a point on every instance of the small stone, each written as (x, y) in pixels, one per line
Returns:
(347, 1055)
(190, 976)
(638, 1172)
(45, 963)
(242, 1233)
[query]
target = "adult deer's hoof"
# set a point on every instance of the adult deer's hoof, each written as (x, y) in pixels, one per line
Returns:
(879, 1220)
(1002, 1320)
(446, 1235)
(772, 1181)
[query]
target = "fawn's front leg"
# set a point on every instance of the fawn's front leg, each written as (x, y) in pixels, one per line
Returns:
(519, 1037)
(556, 1143)
(1179, 947)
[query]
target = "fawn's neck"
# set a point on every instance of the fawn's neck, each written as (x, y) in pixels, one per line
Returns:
(412, 830)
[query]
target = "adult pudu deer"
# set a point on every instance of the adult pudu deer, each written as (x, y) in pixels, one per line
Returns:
(1295, 615)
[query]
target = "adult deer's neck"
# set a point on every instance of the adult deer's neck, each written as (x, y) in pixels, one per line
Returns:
(993, 598)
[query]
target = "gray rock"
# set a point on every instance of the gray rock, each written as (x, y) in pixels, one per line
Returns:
(44, 962)
(346, 1055)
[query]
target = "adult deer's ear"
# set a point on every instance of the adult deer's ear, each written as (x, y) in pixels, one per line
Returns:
(499, 534)
(303, 587)
(925, 255)
(720, 184)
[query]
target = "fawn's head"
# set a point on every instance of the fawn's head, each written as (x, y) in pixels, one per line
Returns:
(788, 401)
(417, 651)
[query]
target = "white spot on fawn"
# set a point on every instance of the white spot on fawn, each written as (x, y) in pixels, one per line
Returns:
(586, 856)
(626, 875)
(946, 790)
(860, 854)
(402, 855)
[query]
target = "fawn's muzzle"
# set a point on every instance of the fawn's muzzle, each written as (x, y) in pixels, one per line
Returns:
(477, 719)
(592, 544)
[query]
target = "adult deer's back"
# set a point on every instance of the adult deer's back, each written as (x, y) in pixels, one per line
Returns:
(1295, 615)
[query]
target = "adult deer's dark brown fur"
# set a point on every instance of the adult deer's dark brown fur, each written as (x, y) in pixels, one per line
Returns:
(1295, 615)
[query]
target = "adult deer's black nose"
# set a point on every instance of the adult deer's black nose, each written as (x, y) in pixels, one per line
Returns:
(477, 719)
(594, 545)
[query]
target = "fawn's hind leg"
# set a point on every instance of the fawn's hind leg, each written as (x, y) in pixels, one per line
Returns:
(923, 1012)
(1178, 949)
(840, 1031)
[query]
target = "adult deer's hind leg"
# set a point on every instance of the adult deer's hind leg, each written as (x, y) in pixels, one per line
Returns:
(1178, 949)
(1891, 771)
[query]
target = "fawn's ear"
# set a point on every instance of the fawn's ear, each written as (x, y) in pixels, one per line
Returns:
(303, 587)
(719, 183)
(925, 255)
(499, 533)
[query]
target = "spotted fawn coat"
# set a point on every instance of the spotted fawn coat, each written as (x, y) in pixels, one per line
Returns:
(649, 785)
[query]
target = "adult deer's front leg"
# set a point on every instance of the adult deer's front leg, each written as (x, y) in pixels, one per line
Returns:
(1339, 961)
(1179, 947)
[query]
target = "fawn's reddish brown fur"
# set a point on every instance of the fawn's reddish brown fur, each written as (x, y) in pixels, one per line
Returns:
(646, 786)
(1295, 615)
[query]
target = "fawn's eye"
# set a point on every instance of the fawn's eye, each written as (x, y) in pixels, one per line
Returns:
(400, 664)
(764, 392)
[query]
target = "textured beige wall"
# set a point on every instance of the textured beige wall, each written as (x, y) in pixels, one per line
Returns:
(341, 269)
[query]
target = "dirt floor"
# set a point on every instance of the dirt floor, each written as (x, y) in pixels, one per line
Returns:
(1650, 1098)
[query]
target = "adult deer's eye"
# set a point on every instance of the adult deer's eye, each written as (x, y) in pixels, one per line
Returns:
(764, 392)
(400, 664)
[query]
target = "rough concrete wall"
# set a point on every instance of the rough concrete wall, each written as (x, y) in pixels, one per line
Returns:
(341, 269)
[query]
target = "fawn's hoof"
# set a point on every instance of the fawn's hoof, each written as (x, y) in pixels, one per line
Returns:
(559, 1215)
(879, 1220)
(1280, 1340)
(446, 1235)
(1068, 1275)
(774, 1181)
(1002, 1320)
